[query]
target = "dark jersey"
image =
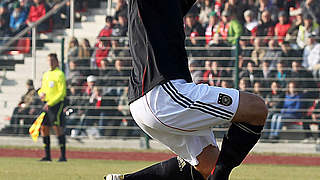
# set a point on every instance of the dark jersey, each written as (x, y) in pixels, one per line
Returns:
(157, 43)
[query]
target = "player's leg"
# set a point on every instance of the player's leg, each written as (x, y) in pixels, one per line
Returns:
(62, 142)
(242, 135)
(207, 160)
(174, 168)
(59, 130)
(45, 132)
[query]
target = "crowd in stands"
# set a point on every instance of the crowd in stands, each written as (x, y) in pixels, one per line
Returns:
(15, 15)
(276, 43)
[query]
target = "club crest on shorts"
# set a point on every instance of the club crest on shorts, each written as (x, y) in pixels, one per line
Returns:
(224, 100)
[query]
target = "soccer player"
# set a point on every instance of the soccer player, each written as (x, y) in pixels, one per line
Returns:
(180, 114)
(53, 92)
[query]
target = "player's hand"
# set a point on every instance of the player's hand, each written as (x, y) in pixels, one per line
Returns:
(42, 96)
(46, 107)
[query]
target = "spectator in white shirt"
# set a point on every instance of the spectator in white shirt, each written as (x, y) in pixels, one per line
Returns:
(311, 56)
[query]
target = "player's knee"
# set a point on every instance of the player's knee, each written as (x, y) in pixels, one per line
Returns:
(261, 111)
(252, 109)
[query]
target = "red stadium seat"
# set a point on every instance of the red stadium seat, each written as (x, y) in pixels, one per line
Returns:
(21, 47)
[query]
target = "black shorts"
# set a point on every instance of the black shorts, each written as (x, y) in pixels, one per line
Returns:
(54, 116)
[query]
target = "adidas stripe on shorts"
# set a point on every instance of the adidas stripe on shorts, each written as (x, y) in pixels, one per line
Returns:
(180, 115)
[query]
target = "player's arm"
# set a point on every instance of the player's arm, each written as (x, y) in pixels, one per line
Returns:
(61, 88)
(43, 89)
(186, 5)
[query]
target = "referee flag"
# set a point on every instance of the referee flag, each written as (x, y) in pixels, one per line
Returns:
(35, 128)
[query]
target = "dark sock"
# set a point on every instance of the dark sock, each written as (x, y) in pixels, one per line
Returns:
(62, 144)
(46, 142)
(236, 145)
(174, 168)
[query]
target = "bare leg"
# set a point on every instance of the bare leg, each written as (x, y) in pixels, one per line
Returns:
(242, 135)
(207, 160)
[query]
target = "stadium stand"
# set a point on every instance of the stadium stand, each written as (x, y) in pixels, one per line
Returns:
(253, 45)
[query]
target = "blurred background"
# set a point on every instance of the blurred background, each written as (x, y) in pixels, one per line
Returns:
(267, 47)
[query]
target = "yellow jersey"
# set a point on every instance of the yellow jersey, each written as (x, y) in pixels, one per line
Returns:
(53, 86)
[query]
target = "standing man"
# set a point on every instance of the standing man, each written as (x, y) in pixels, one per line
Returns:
(169, 107)
(53, 92)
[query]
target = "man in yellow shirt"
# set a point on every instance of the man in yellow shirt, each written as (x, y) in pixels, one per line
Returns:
(53, 92)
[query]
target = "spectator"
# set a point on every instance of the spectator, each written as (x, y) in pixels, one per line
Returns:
(306, 29)
(74, 74)
(290, 112)
(100, 53)
(192, 25)
(274, 101)
(95, 105)
(315, 117)
(292, 33)
(281, 74)
(273, 54)
(219, 6)
(266, 26)
(212, 28)
(311, 56)
(121, 8)
(85, 101)
(91, 82)
(104, 71)
(5, 14)
(265, 5)
(206, 9)
(282, 27)
(195, 42)
(250, 26)
(237, 8)
(311, 8)
(258, 52)
(121, 29)
(257, 89)
(243, 85)
(38, 9)
(23, 108)
(106, 31)
(109, 108)
(230, 28)
(289, 53)
(213, 76)
(4, 31)
(266, 74)
(85, 52)
(73, 48)
(226, 84)
(25, 5)
(123, 109)
(252, 74)
(195, 73)
(118, 77)
(304, 79)
(17, 19)
(73, 111)
(115, 48)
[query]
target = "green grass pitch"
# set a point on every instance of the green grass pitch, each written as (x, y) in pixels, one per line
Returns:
(76, 169)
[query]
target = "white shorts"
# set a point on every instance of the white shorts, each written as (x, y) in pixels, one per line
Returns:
(180, 115)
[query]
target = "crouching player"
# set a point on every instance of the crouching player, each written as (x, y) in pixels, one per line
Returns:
(180, 114)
